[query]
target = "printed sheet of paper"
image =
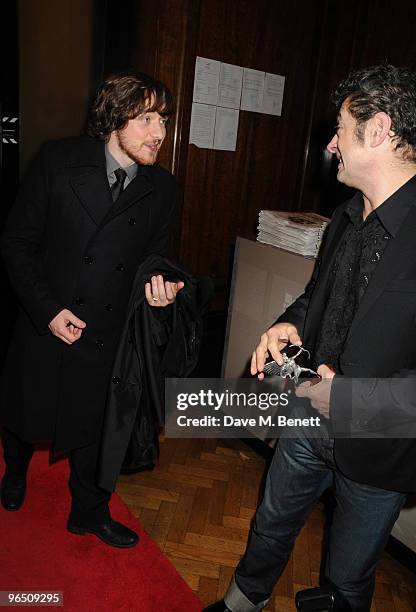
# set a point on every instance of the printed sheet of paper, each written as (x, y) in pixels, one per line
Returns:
(253, 89)
(226, 128)
(207, 77)
(230, 84)
(273, 94)
(202, 125)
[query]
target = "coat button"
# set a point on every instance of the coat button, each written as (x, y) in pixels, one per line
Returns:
(88, 259)
(80, 301)
(116, 380)
(120, 267)
(99, 344)
(132, 221)
(109, 307)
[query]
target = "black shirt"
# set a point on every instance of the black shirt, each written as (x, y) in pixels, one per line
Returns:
(362, 247)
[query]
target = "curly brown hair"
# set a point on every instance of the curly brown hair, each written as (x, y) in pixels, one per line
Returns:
(124, 96)
(387, 89)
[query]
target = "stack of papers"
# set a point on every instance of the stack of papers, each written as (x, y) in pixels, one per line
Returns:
(299, 232)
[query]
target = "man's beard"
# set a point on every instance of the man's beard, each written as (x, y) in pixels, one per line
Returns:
(136, 154)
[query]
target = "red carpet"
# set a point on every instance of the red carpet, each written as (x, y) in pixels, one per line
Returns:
(38, 554)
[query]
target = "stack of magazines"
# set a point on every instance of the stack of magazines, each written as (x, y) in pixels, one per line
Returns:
(299, 232)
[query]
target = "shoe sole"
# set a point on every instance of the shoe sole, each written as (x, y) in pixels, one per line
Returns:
(83, 531)
(11, 509)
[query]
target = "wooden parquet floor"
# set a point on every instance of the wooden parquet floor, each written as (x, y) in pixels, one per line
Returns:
(197, 505)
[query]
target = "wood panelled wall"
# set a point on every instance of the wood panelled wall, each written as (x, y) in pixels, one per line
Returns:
(355, 34)
(280, 162)
(222, 192)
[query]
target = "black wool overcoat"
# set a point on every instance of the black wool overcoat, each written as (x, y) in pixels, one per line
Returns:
(66, 245)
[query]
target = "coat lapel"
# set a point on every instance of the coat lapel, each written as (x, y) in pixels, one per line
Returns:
(91, 187)
(399, 254)
(89, 179)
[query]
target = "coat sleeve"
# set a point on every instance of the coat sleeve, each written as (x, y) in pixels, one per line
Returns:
(380, 407)
(22, 245)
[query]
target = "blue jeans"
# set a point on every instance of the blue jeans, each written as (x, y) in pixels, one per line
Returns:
(301, 470)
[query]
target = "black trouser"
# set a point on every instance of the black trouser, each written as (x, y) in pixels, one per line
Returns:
(89, 502)
(17, 456)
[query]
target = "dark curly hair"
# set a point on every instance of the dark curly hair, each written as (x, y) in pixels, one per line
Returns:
(385, 89)
(124, 96)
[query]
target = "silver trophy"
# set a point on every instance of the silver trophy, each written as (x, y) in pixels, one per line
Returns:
(289, 368)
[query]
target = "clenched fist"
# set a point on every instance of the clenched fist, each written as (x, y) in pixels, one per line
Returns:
(66, 326)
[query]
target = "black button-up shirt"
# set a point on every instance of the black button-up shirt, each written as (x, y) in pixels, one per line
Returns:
(363, 246)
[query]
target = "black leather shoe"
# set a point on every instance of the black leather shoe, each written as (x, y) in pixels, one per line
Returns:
(218, 606)
(324, 599)
(111, 532)
(12, 494)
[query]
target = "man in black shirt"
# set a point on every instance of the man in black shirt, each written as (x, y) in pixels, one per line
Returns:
(357, 317)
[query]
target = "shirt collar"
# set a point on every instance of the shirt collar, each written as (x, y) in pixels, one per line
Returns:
(112, 165)
(391, 212)
(354, 209)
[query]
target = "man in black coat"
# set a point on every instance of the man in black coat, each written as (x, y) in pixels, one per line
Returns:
(89, 211)
(357, 317)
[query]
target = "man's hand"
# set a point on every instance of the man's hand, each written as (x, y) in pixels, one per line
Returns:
(318, 393)
(160, 293)
(271, 343)
(66, 326)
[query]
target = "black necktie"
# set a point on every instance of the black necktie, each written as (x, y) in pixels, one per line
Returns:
(117, 187)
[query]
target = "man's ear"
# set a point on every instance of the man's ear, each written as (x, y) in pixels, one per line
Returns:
(379, 128)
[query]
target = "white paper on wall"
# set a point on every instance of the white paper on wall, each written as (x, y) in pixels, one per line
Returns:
(274, 86)
(207, 77)
(230, 84)
(226, 128)
(220, 91)
(253, 90)
(202, 125)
